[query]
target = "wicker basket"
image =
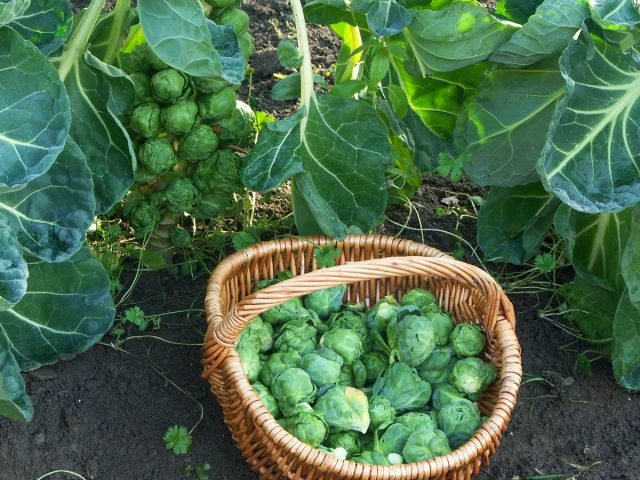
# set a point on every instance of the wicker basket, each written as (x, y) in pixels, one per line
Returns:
(372, 266)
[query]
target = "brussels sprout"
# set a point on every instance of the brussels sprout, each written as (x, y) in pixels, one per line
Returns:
(322, 370)
(425, 444)
(145, 217)
(381, 412)
(156, 62)
(435, 369)
(250, 361)
(393, 439)
(325, 302)
(247, 45)
(180, 237)
(351, 320)
(346, 377)
(403, 387)
(349, 440)
(215, 106)
(284, 312)
(442, 326)
(239, 126)
(425, 300)
(345, 343)
(182, 195)
(359, 374)
(179, 117)
(266, 398)
(259, 334)
(340, 453)
(210, 84)
(142, 85)
(236, 18)
(276, 364)
(378, 318)
(298, 335)
(308, 427)
(459, 420)
(344, 408)
(198, 144)
(211, 205)
(472, 375)
(142, 175)
(443, 394)
(468, 339)
(370, 457)
(412, 339)
(417, 421)
(291, 387)
(145, 120)
(169, 85)
(374, 363)
(157, 155)
(218, 173)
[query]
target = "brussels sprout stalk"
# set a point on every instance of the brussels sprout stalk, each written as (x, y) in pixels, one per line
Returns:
(306, 69)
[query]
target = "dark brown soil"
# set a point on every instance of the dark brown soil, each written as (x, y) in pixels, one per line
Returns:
(102, 414)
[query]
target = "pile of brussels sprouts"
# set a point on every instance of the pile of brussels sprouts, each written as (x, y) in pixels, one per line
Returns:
(183, 127)
(396, 384)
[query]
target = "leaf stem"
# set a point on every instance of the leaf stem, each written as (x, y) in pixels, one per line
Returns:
(120, 14)
(306, 69)
(78, 43)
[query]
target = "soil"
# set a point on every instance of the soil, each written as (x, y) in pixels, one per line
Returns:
(102, 414)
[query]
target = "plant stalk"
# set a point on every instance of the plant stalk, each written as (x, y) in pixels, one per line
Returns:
(120, 14)
(306, 69)
(78, 43)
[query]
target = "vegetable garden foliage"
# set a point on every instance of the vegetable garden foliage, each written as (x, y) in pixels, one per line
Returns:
(65, 156)
(540, 100)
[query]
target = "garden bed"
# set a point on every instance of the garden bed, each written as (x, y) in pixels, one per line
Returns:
(103, 414)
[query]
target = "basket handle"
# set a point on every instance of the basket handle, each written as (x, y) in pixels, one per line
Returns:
(225, 333)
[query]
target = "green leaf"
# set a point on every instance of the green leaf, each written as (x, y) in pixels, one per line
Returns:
(518, 11)
(241, 240)
(592, 309)
(51, 214)
(177, 439)
(424, 145)
(225, 41)
(513, 222)
(438, 99)
(590, 159)
(287, 88)
(344, 183)
(34, 111)
(14, 401)
(326, 255)
(288, 54)
(555, 21)
(46, 23)
(456, 36)
(177, 32)
(631, 260)
(403, 177)
(56, 319)
(12, 9)
(625, 355)
(618, 15)
(595, 244)
(387, 18)
(110, 33)
(502, 130)
(312, 212)
(274, 158)
(327, 12)
(99, 95)
(14, 273)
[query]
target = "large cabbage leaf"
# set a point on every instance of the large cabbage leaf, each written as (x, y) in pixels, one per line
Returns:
(591, 157)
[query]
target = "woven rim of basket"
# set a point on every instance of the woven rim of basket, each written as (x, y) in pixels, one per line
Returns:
(487, 437)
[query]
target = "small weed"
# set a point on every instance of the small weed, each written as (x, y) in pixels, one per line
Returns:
(326, 255)
(178, 439)
(199, 472)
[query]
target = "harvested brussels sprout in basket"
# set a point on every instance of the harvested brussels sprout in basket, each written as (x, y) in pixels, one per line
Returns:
(396, 384)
